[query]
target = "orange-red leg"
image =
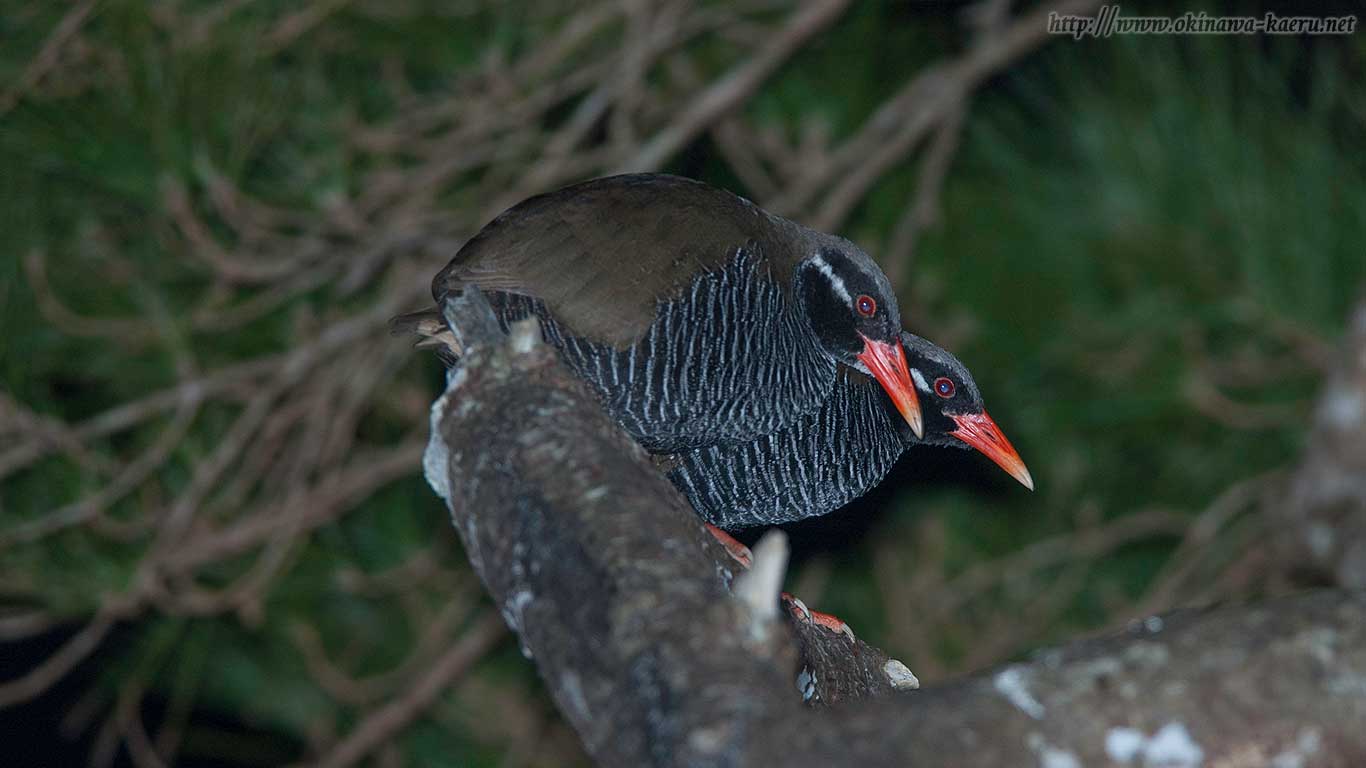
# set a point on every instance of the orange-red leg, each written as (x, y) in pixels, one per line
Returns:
(737, 550)
(745, 558)
(827, 620)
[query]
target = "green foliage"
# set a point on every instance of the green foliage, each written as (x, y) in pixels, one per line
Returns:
(1121, 213)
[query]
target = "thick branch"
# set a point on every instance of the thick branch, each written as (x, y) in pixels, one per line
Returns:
(623, 601)
(1325, 509)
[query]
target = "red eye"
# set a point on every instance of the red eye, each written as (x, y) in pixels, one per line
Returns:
(943, 386)
(866, 306)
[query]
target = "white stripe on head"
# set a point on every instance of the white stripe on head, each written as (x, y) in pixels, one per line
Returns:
(836, 281)
(920, 381)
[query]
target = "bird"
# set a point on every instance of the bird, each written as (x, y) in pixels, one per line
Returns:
(698, 318)
(827, 459)
(761, 363)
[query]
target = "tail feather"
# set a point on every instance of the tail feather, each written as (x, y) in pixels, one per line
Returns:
(431, 331)
(424, 323)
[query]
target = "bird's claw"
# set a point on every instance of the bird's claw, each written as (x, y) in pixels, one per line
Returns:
(826, 620)
(739, 552)
(797, 607)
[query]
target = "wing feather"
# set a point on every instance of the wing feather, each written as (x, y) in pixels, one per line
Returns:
(602, 254)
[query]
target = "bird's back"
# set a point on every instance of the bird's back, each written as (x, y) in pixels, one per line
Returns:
(601, 255)
(671, 298)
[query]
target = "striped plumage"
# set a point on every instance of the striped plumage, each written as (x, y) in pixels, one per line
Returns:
(832, 457)
(682, 361)
(813, 466)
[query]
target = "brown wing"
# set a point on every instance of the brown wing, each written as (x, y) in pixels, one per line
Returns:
(601, 254)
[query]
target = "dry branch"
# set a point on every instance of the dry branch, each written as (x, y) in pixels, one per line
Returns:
(929, 99)
(737, 85)
(624, 602)
(381, 725)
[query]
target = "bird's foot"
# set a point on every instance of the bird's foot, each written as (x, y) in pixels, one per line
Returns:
(737, 550)
(831, 622)
(798, 609)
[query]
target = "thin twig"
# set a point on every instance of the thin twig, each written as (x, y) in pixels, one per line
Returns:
(382, 724)
(725, 94)
(72, 652)
(48, 55)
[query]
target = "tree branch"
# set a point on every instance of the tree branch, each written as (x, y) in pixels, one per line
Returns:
(624, 602)
(1325, 505)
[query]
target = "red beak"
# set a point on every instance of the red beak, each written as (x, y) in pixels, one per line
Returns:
(888, 364)
(980, 432)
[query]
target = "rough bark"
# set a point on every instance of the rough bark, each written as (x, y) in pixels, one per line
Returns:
(1325, 507)
(625, 604)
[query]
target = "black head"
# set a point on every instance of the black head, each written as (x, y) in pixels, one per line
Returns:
(952, 407)
(852, 310)
(847, 299)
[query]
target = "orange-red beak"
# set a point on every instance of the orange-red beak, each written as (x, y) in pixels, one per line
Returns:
(980, 432)
(888, 364)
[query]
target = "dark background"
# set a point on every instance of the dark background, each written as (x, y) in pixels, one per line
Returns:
(1145, 248)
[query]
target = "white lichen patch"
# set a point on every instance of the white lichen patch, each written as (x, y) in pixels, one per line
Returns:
(1350, 685)
(525, 334)
(1170, 747)
(1088, 672)
(1298, 755)
(1124, 745)
(900, 676)
(1142, 653)
(436, 458)
(806, 684)
(1173, 747)
(1012, 683)
(1321, 539)
(1058, 758)
(515, 607)
(514, 615)
(708, 741)
(518, 562)
(1051, 756)
(1343, 410)
(574, 699)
